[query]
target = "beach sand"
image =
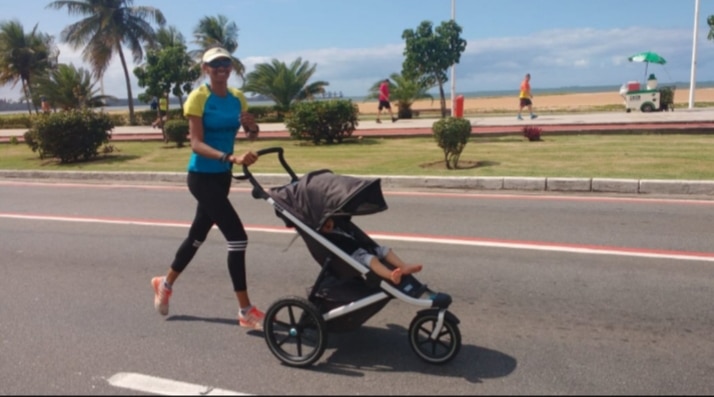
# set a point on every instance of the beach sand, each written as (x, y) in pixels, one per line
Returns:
(543, 102)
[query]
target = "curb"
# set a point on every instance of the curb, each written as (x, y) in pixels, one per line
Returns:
(525, 184)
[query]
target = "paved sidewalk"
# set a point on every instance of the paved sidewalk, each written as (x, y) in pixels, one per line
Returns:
(680, 120)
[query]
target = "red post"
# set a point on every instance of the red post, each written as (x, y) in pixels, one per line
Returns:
(459, 111)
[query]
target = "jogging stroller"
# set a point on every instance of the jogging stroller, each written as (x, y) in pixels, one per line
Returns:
(346, 293)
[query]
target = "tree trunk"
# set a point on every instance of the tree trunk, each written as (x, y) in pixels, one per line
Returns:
(28, 95)
(443, 99)
(132, 117)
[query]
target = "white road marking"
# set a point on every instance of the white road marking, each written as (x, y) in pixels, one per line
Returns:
(470, 241)
(167, 387)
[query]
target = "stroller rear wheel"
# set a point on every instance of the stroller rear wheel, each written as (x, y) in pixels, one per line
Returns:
(431, 345)
(295, 331)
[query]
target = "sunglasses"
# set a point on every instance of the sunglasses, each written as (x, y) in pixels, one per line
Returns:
(220, 63)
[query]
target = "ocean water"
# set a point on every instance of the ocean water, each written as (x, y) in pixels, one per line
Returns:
(140, 106)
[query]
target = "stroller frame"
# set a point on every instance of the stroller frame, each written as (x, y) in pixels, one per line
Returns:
(296, 328)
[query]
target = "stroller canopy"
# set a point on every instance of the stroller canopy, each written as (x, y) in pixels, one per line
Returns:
(321, 194)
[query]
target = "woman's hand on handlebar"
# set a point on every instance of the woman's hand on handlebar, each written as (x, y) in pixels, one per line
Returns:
(246, 158)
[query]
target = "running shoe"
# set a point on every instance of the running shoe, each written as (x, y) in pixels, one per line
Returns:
(519, 117)
(379, 121)
(161, 295)
(253, 319)
(533, 116)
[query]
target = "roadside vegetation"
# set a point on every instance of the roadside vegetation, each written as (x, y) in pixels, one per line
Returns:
(640, 156)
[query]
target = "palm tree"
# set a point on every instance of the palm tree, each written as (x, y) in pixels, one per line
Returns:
(67, 87)
(108, 25)
(169, 37)
(24, 55)
(217, 31)
(404, 91)
(284, 84)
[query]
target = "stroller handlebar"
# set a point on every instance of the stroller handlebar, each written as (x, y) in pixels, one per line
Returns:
(258, 191)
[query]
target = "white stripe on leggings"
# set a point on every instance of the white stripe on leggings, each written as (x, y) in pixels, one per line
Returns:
(237, 245)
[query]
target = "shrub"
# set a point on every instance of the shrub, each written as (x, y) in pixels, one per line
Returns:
(119, 119)
(452, 134)
(70, 136)
(176, 131)
(16, 121)
(329, 121)
(532, 133)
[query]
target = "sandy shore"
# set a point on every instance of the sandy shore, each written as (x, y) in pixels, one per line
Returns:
(543, 102)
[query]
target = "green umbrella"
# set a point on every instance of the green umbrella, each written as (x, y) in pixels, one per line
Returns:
(647, 57)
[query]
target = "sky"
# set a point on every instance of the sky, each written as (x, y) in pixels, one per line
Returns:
(354, 43)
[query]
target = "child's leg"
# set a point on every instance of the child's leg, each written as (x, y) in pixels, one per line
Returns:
(394, 275)
(405, 268)
(383, 271)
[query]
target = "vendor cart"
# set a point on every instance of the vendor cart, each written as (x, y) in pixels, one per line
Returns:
(649, 98)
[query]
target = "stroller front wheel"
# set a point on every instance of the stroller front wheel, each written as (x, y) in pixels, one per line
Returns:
(435, 346)
(295, 331)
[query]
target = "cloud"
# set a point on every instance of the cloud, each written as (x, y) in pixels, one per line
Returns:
(555, 58)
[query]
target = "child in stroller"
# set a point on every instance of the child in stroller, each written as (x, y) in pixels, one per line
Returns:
(346, 293)
(371, 257)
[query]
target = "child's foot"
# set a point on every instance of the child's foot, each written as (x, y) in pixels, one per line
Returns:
(379, 121)
(519, 117)
(394, 119)
(533, 116)
(396, 276)
(411, 269)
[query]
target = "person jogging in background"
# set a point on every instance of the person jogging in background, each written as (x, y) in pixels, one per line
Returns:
(215, 112)
(163, 107)
(384, 101)
(525, 97)
(45, 105)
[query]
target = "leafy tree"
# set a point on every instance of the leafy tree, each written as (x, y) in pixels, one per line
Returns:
(67, 87)
(405, 91)
(24, 56)
(109, 25)
(217, 31)
(284, 84)
(168, 69)
(429, 53)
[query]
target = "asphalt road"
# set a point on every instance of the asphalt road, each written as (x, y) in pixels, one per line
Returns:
(557, 294)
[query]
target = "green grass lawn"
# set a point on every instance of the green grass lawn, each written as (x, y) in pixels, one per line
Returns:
(639, 156)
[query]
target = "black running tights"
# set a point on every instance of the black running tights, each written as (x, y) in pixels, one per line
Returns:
(211, 191)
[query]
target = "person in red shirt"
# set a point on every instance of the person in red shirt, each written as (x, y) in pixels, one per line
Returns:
(384, 101)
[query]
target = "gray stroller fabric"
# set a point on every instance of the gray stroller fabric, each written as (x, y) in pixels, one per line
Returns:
(321, 194)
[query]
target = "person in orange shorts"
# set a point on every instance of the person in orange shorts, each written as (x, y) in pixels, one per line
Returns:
(525, 97)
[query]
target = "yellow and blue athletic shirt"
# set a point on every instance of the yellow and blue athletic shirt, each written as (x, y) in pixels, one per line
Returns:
(221, 120)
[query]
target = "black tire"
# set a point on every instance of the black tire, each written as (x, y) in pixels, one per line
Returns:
(647, 107)
(434, 351)
(295, 331)
(628, 110)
